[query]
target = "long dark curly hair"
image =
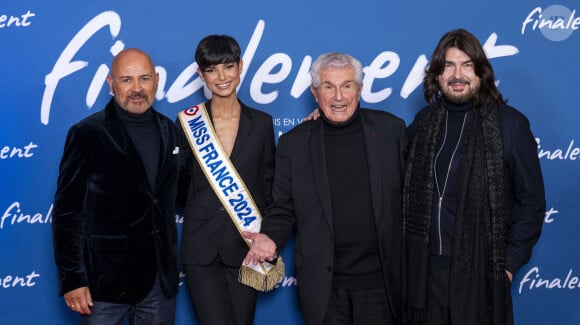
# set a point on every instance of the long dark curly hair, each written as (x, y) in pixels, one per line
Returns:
(468, 43)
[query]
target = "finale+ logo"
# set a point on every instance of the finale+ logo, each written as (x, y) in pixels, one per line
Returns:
(556, 22)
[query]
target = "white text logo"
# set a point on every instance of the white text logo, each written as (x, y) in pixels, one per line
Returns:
(532, 280)
(274, 70)
(556, 22)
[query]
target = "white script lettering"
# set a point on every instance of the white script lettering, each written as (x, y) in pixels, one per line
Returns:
(13, 215)
(548, 217)
(287, 282)
(64, 66)
(16, 21)
(11, 281)
(25, 152)
(273, 71)
(570, 153)
(178, 219)
(538, 21)
(532, 280)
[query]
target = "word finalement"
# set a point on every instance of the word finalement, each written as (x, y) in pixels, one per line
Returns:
(272, 71)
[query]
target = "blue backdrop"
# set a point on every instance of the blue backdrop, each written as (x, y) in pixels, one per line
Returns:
(55, 56)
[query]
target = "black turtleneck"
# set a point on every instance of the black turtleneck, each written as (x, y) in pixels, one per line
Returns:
(443, 225)
(145, 134)
(356, 258)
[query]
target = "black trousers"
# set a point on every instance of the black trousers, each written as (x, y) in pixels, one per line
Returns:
(438, 305)
(438, 297)
(218, 297)
(359, 307)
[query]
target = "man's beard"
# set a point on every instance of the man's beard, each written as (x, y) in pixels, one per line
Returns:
(459, 98)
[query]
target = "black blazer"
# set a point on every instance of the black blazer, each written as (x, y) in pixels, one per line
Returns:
(207, 228)
(111, 232)
(302, 198)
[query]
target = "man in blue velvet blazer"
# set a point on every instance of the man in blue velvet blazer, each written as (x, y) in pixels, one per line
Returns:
(114, 231)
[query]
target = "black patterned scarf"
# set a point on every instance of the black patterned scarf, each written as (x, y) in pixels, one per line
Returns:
(479, 289)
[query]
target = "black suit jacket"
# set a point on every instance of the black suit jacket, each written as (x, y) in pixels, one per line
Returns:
(302, 198)
(111, 231)
(207, 228)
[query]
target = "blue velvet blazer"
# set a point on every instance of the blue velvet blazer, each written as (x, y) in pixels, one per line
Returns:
(112, 231)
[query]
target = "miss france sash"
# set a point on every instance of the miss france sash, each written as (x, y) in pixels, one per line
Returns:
(231, 190)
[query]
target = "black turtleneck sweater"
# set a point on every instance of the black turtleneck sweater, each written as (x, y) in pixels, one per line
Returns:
(443, 220)
(145, 134)
(356, 257)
